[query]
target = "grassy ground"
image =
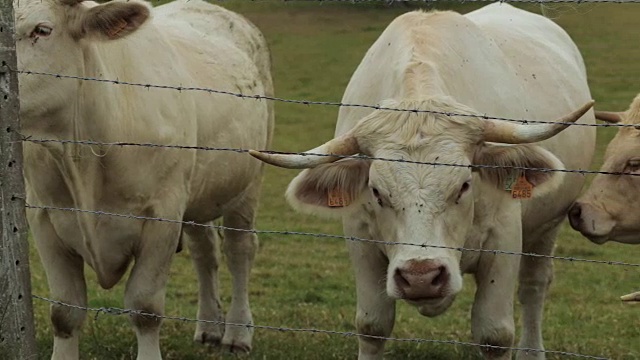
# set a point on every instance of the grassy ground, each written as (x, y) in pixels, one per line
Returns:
(304, 282)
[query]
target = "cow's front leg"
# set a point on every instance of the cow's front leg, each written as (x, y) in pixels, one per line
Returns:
(492, 314)
(375, 314)
(146, 286)
(65, 275)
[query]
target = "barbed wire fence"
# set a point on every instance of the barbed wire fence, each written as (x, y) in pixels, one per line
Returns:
(17, 330)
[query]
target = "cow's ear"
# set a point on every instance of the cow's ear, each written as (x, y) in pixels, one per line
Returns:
(112, 20)
(500, 160)
(330, 189)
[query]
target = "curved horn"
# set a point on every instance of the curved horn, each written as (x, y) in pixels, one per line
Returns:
(609, 116)
(343, 145)
(631, 297)
(503, 132)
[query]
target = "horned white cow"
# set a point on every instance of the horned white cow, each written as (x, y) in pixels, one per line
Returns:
(497, 60)
(186, 42)
(609, 209)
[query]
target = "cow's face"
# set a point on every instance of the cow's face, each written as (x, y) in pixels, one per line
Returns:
(418, 204)
(53, 36)
(609, 210)
(430, 207)
(421, 205)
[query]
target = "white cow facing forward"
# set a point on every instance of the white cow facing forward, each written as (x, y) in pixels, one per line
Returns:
(500, 61)
(184, 43)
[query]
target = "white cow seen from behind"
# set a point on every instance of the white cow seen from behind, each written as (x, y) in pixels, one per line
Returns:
(183, 43)
(499, 61)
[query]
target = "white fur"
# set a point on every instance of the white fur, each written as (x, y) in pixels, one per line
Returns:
(443, 61)
(185, 42)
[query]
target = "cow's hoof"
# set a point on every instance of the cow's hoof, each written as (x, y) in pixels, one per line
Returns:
(238, 348)
(210, 338)
(237, 339)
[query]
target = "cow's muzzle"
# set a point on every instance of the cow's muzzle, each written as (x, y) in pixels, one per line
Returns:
(420, 280)
(588, 221)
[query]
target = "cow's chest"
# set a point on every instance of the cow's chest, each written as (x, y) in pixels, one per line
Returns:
(471, 254)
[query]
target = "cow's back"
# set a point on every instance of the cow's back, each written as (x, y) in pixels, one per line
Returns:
(215, 22)
(554, 81)
(228, 54)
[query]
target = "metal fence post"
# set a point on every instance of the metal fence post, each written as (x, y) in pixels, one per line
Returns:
(17, 330)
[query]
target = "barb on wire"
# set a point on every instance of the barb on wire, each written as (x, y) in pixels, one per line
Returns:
(322, 235)
(364, 157)
(119, 311)
(308, 102)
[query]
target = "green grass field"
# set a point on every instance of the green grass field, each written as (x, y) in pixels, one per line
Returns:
(304, 282)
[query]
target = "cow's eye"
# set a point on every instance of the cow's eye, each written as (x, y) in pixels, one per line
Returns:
(376, 193)
(633, 164)
(463, 189)
(41, 31)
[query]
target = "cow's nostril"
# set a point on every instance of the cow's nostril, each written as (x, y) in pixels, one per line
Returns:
(575, 213)
(401, 280)
(441, 278)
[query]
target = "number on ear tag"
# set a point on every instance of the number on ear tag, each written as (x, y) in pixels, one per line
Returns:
(522, 189)
(338, 198)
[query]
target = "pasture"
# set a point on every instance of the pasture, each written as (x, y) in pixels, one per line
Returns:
(306, 282)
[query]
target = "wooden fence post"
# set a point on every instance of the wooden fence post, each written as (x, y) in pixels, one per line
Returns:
(17, 329)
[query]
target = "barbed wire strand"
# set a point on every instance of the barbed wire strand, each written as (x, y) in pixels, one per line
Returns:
(322, 235)
(360, 157)
(310, 102)
(120, 311)
(474, 1)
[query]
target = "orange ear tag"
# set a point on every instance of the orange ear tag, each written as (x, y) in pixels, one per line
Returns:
(522, 189)
(121, 25)
(338, 198)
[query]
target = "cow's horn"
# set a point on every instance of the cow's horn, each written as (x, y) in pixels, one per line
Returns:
(631, 297)
(501, 131)
(343, 145)
(609, 116)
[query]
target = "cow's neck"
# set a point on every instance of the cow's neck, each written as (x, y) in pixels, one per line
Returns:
(97, 112)
(421, 81)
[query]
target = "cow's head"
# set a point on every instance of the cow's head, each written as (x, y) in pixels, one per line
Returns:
(415, 203)
(53, 36)
(609, 210)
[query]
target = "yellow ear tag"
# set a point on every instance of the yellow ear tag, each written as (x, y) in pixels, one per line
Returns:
(338, 198)
(522, 189)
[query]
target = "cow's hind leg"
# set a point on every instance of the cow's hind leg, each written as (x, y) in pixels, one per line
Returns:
(65, 275)
(145, 290)
(203, 247)
(240, 248)
(536, 274)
